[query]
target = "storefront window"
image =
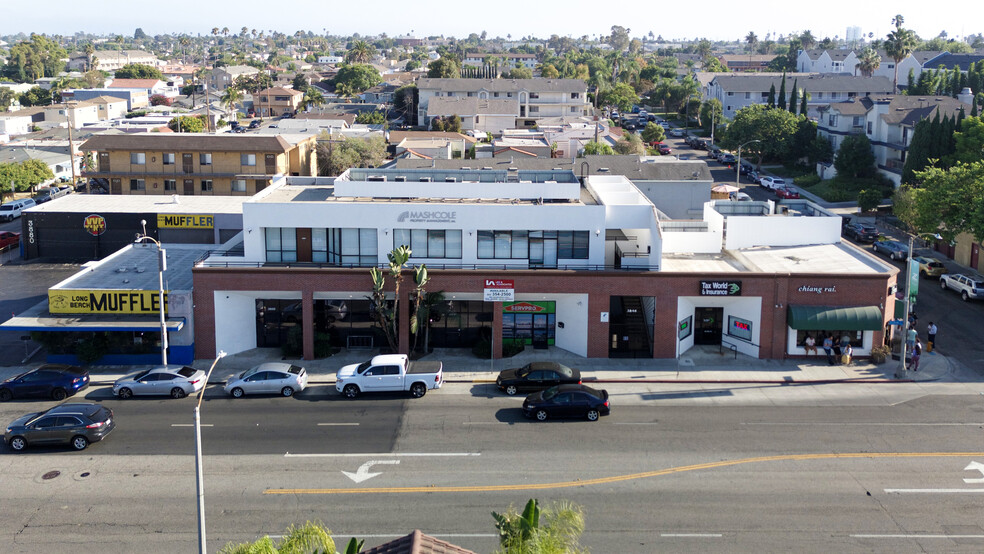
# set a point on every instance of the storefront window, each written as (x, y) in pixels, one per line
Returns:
(529, 322)
(429, 243)
(857, 337)
(740, 328)
(281, 244)
(516, 244)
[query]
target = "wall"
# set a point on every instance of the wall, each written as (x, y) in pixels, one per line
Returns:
(677, 199)
(778, 230)
(572, 310)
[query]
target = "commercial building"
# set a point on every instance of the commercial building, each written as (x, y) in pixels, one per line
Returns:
(538, 257)
(197, 164)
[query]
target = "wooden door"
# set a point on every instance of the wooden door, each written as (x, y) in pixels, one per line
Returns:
(115, 186)
(303, 244)
(260, 184)
(975, 252)
(187, 163)
(104, 162)
(189, 187)
(271, 164)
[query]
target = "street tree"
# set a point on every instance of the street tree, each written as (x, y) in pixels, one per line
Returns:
(139, 71)
(775, 129)
(948, 201)
(621, 96)
(630, 144)
(230, 97)
(187, 124)
(969, 141)
(24, 175)
(855, 157)
(653, 133)
(355, 78)
(335, 156)
(899, 44)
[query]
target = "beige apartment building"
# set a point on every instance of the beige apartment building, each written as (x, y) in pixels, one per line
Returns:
(197, 164)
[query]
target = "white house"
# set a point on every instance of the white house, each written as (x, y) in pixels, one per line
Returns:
(736, 91)
(14, 124)
(506, 61)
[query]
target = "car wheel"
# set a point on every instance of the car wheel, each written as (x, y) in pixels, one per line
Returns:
(593, 415)
(59, 394)
(963, 296)
(18, 444)
(417, 390)
(178, 392)
(237, 392)
(923, 275)
(125, 393)
(541, 415)
(511, 390)
(5, 395)
(287, 391)
(351, 391)
(79, 442)
(942, 286)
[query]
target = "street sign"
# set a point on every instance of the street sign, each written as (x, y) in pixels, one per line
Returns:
(500, 290)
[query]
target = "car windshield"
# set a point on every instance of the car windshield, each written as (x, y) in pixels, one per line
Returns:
(364, 366)
(187, 371)
(140, 375)
(778, 181)
(249, 372)
(523, 371)
(550, 393)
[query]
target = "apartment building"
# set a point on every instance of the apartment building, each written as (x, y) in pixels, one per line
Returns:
(276, 101)
(223, 77)
(736, 91)
(197, 164)
(506, 60)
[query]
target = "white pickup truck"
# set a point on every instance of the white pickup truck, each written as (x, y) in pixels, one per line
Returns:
(389, 373)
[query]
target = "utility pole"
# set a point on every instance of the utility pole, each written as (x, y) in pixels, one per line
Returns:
(71, 143)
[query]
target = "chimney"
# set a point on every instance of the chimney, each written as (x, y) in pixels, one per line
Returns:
(966, 96)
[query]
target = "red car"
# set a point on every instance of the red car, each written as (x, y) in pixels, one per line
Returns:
(787, 193)
(9, 239)
(664, 150)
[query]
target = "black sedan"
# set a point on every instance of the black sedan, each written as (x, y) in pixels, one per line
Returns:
(53, 381)
(567, 401)
(536, 376)
(76, 424)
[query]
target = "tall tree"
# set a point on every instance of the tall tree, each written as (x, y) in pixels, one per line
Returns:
(781, 100)
(360, 52)
(868, 62)
(899, 44)
(803, 104)
(771, 101)
(947, 202)
(751, 40)
(794, 97)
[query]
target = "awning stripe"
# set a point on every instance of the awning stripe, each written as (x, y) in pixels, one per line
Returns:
(829, 318)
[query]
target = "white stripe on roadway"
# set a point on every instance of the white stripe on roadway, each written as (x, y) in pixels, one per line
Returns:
(190, 425)
(338, 425)
(485, 423)
(694, 535)
(917, 536)
(385, 455)
(936, 491)
(873, 424)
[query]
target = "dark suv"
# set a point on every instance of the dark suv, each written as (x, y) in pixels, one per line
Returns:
(54, 381)
(861, 232)
(73, 424)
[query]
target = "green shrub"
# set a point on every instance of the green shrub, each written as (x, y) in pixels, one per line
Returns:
(91, 349)
(807, 180)
(868, 199)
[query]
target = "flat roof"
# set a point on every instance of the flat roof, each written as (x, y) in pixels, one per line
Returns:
(326, 193)
(135, 268)
(818, 258)
(700, 263)
(125, 203)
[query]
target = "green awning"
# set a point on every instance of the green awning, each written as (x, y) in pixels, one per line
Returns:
(827, 318)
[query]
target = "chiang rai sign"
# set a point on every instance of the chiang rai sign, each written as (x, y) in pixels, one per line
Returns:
(500, 290)
(105, 301)
(184, 221)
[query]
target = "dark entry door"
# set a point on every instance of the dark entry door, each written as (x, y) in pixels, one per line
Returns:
(187, 163)
(189, 187)
(115, 186)
(104, 162)
(707, 325)
(303, 244)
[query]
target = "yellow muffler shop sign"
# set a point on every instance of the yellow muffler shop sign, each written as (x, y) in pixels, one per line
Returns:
(105, 302)
(178, 221)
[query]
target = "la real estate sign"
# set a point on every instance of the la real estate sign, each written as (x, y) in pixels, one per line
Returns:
(500, 290)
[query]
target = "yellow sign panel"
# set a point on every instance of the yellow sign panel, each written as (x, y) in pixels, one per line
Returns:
(105, 301)
(179, 221)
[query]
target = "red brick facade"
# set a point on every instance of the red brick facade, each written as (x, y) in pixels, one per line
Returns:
(777, 291)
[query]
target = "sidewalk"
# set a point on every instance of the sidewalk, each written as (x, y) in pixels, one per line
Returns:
(698, 365)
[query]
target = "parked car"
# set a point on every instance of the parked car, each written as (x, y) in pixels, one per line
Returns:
(677, 132)
(753, 176)
(787, 193)
(75, 424)
(567, 401)
(177, 382)
(255, 124)
(54, 381)
(536, 376)
(891, 248)
(268, 378)
(772, 183)
(664, 150)
(390, 373)
(49, 193)
(12, 210)
(9, 239)
(742, 197)
(968, 287)
(861, 232)
(929, 267)
(727, 159)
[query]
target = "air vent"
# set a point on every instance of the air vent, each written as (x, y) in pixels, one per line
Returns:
(450, 180)
(400, 178)
(376, 178)
(425, 179)
(513, 169)
(603, 170)
(488, 168)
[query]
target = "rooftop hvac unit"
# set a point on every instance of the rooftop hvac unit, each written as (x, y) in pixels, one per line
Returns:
(376, 178)
(450, 180)
(425, 179)
(400, 178)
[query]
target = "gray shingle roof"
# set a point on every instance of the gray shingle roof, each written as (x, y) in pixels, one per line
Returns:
(807, 81)
(949, 60)
(503, 85)
(909, 110)
(186, 142)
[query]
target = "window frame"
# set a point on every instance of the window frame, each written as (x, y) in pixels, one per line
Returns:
(138, 158)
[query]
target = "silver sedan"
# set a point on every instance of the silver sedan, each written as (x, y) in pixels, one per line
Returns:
(268, 378)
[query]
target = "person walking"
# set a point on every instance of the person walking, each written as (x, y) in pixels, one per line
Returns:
(931, 336)
(910, 338)
(828, 348)
(916, 353)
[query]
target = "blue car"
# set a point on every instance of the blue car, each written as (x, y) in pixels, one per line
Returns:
(891, 248)
(54, 381)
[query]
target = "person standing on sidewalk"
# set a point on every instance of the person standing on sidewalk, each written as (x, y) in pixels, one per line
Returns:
(931, 336)
(916, 353)
(910, 338)
(848, 354)
(828, 347)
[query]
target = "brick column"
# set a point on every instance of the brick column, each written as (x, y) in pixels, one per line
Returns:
(497, 330)
(307, 323)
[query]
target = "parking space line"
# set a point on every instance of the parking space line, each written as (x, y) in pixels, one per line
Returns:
(191, 425)
(917, 536)
(935, 491)
(338, 425)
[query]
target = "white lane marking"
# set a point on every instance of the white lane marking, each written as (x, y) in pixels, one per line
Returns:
(918, 536)
(637, 423)
(363, 474)
(694, 535)
(385, 454)
(338, 425)
(935, 491)
(191, 425)
(975, 466)
(838, 424)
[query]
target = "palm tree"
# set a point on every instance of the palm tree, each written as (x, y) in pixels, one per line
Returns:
(215, 31)
(807, 40)
(868, 61)
(89, 51)
(310, 538)
(230, 96)
(555, 528)
(361, 52)
(751, 39)
(899, 44)
(312, 98)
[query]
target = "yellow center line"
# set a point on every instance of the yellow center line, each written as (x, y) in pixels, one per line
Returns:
(630, 476)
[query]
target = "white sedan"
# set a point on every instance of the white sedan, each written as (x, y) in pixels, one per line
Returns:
(176, 381)
(268, 378)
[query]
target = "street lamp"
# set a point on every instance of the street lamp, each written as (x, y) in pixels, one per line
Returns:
(901, 373)
(738, 167)
(199, 478)
(161, 268)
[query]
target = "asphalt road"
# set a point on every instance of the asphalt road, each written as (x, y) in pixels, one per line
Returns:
(650, 477)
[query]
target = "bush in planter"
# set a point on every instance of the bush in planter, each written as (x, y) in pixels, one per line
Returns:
(880, 354)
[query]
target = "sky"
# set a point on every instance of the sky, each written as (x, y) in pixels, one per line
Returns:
(713, 19)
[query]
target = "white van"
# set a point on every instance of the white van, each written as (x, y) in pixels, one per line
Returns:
(12, 210)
